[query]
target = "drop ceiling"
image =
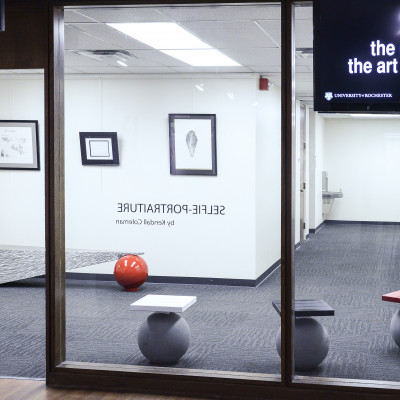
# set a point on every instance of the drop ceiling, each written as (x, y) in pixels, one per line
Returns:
(249, 35)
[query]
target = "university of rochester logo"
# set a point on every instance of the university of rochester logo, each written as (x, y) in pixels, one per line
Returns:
(329, 96)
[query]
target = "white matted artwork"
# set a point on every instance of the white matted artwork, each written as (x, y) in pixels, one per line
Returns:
(99, 148)
(19, 145)
(192, 144)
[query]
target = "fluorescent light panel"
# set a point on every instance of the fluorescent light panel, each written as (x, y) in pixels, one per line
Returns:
(176, 42)
(161, 35)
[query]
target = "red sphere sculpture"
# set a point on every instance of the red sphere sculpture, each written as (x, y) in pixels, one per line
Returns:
(130, 272)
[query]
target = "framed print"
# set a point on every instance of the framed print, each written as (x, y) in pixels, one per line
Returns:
(99, 148)
(19, 145)
(192, 144)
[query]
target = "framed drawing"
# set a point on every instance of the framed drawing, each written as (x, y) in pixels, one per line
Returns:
(19, 145)
(192, 144)
(99, 148)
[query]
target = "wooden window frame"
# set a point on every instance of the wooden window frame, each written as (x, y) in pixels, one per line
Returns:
(173, 381)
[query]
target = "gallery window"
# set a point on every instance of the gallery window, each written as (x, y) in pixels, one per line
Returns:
(173, 167)
(204, 218)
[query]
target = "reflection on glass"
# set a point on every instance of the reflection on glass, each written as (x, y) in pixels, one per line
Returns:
(195, 197)
(347, 235)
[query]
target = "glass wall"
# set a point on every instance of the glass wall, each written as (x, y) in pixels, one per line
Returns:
(172, 166)
(347, 234)
(22, 226)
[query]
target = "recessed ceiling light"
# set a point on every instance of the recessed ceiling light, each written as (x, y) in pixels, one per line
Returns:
(122, 63)
(202, 58)
(161, 35)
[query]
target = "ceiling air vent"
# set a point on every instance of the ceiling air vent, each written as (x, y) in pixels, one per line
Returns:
(304, 52)
(108, 56)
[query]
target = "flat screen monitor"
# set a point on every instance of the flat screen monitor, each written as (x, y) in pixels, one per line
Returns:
(357, 55)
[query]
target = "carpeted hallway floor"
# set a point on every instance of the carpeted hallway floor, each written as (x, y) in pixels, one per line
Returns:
(233, 329)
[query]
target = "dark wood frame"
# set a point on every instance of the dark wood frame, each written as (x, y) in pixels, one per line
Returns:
(172, 159)
(43, 20)
(34, 124)
(99, 135)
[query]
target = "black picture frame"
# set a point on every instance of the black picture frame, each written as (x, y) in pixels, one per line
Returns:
(2, 16)
(99, 148)
(193, 144)
(19, 145)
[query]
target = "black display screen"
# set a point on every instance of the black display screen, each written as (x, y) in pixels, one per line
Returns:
(357, 55)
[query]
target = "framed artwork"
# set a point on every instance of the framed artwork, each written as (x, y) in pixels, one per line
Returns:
(19, 145)
(99, 148)
(192, 144)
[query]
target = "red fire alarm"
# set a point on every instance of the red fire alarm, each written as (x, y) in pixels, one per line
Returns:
(264, 84)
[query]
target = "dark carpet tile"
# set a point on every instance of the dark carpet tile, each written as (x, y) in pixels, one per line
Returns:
(233, 328)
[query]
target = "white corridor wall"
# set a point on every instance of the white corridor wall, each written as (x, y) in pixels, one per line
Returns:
(362, 157)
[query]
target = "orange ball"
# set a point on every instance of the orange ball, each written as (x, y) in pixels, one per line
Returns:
(130, 272)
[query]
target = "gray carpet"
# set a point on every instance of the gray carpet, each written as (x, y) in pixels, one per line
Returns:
(22, 264)
(233, 329)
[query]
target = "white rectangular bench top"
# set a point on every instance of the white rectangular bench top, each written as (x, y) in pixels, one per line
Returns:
(163, 303)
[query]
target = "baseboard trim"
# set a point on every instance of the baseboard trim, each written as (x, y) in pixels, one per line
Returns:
(343, 222)
(318, 227)
(267, 273)
(167, 279)
(182, 280)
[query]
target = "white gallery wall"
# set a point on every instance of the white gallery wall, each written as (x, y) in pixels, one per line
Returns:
(362, 157)
(316, 166)
(237, 236)
(268, 179)
(22, 208)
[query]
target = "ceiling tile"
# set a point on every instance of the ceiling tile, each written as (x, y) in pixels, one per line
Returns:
(265, 69)
(255, 56)
(150, 70)
(189, 69)
(110, 35)
(222, 13)
(224, 34)
(303, 12)
(272, 29)
(304, 61)
(76, 39)
(125, 14)
(225, 69)
(73, 16)
(158, 57)
(102, 70)
(304, 33)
